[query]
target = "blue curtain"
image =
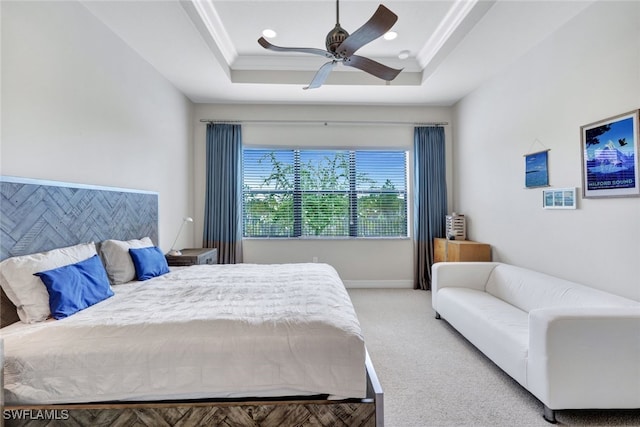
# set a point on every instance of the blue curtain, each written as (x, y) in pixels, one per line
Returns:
(430, 203)
(223, 200)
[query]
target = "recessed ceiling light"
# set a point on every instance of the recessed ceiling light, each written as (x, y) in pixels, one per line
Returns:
(269, 33)
(404, 54)
(390, 35)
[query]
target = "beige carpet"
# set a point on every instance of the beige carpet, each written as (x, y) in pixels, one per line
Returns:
(432, 376)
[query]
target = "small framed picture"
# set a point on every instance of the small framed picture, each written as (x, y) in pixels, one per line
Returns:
(559, 198)
(610, 157)
(536, 169)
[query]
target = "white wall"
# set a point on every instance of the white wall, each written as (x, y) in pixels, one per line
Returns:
(79, 105)
(360, 262)
(587, 71)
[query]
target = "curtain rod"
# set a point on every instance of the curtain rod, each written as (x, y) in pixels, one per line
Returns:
(325, 122)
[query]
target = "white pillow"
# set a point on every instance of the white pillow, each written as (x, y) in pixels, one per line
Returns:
(117, 261)
(27, 291)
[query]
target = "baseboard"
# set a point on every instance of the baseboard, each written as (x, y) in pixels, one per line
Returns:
(378, 284)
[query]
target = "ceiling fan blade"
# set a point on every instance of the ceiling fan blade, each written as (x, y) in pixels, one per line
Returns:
(381, 22)
(372, 67)
(265, 44)
(321, 75)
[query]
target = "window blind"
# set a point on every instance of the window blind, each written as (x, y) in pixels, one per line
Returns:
(324, 193)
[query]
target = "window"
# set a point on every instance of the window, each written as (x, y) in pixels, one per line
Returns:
(328, 193)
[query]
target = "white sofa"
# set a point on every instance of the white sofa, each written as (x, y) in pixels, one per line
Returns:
(571, 346)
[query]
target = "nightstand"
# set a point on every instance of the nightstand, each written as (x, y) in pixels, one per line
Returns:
(193, 256)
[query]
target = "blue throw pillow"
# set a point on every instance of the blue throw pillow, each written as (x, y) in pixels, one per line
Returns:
(149, 262)
(75, 287)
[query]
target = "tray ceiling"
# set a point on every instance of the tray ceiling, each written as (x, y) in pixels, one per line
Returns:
(209, 50)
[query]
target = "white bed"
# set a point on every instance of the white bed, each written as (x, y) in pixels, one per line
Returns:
(150, 384)
(214, 331)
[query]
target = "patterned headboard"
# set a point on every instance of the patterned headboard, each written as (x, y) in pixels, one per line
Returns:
(37, 216)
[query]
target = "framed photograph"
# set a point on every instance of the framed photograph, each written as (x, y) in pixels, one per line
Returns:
(610, 157)
(536, 169)
(559, 198)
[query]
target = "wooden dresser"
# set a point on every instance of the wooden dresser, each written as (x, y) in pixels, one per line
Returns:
(460, 250)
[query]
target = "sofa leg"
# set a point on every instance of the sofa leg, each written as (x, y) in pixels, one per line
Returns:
(549, 415)
(437, 315)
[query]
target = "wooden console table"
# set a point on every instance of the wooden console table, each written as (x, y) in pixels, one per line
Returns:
(460, 250)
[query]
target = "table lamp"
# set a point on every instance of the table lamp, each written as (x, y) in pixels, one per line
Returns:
(176, 252)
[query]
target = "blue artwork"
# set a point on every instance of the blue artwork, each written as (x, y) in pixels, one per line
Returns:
(610, 157)
(537, 172)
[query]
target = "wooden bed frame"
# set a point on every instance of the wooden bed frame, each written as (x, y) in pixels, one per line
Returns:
(282, 412)
(136, 214)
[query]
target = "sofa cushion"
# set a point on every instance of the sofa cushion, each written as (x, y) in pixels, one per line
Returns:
(529, 290)
(498, 329)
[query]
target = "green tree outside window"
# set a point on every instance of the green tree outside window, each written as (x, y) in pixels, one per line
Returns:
(295, 193)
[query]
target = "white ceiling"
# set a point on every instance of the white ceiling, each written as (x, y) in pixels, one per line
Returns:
(208, 48)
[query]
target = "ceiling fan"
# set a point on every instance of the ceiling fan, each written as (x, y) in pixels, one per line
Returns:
(341, 47)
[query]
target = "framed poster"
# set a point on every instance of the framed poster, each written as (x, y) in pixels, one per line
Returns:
(536, 169)
(559, 198)
(610, 157)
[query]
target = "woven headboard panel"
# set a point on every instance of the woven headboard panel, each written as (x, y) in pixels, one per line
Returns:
(37, 216)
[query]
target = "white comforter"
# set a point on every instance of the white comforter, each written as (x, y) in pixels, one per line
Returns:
(204, 331)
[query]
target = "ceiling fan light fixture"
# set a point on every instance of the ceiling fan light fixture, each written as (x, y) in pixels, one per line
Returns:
(390, 35)
(269, 33)
(404, 54)
(341, 47)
